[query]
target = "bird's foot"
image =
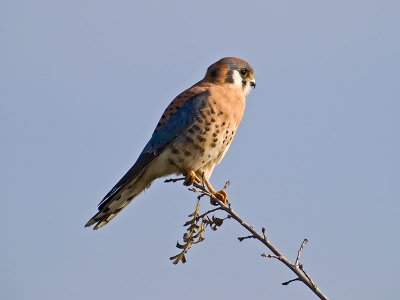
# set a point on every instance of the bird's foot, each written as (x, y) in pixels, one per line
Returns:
(191, 178)
(220, 195)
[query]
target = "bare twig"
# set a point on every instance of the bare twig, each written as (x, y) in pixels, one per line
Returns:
(271, 256)
(308, 276)
(289, 281)
(207, 212)
(227, 184)
(174, 179)
(263, 230)
(242, 238)
(297, 262)
(296, 268)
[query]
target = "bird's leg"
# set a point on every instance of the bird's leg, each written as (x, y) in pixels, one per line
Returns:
(220, 195)
(190, 178)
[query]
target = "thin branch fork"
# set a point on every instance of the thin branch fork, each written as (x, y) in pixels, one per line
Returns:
(207, 212)
(296, 268)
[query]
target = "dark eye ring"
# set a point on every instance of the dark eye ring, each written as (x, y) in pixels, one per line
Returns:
(243, 72)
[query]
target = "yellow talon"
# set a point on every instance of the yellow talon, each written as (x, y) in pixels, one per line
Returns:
(190, 178)
(220, 195)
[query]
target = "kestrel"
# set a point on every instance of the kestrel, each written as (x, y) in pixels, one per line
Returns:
(191, 138)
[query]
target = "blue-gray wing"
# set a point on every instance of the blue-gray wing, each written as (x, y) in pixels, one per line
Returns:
(177, 122)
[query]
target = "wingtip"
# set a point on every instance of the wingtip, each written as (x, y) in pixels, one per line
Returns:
(89, 223)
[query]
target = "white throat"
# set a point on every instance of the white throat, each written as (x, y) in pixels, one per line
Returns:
(238, 82)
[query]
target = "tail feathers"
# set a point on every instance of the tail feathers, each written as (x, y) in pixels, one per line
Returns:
(109, 208)
(109, 212)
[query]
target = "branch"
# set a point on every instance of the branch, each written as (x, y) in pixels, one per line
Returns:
(297, 262)
(296, 268)
(207, 212)
(174, 180)
(242, 238)
(289, 281)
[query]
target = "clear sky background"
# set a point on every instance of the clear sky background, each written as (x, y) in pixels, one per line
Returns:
(82, 86)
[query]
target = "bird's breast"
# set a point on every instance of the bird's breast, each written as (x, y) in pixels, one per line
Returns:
(207, 140)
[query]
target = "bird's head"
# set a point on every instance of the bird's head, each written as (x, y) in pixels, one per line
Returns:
(232, 70)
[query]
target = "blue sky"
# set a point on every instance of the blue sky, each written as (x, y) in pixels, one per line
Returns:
(82, 86)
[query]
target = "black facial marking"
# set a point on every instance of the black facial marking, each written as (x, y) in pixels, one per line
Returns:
(229, 77)
(214, 73)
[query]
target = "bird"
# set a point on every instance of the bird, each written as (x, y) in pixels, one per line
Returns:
(192, 137)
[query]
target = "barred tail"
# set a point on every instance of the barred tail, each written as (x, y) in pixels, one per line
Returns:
(117, 201)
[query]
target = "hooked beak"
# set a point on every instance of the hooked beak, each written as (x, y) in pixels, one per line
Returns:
(253, 84)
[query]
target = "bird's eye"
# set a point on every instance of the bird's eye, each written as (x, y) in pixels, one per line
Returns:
(243, 72)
